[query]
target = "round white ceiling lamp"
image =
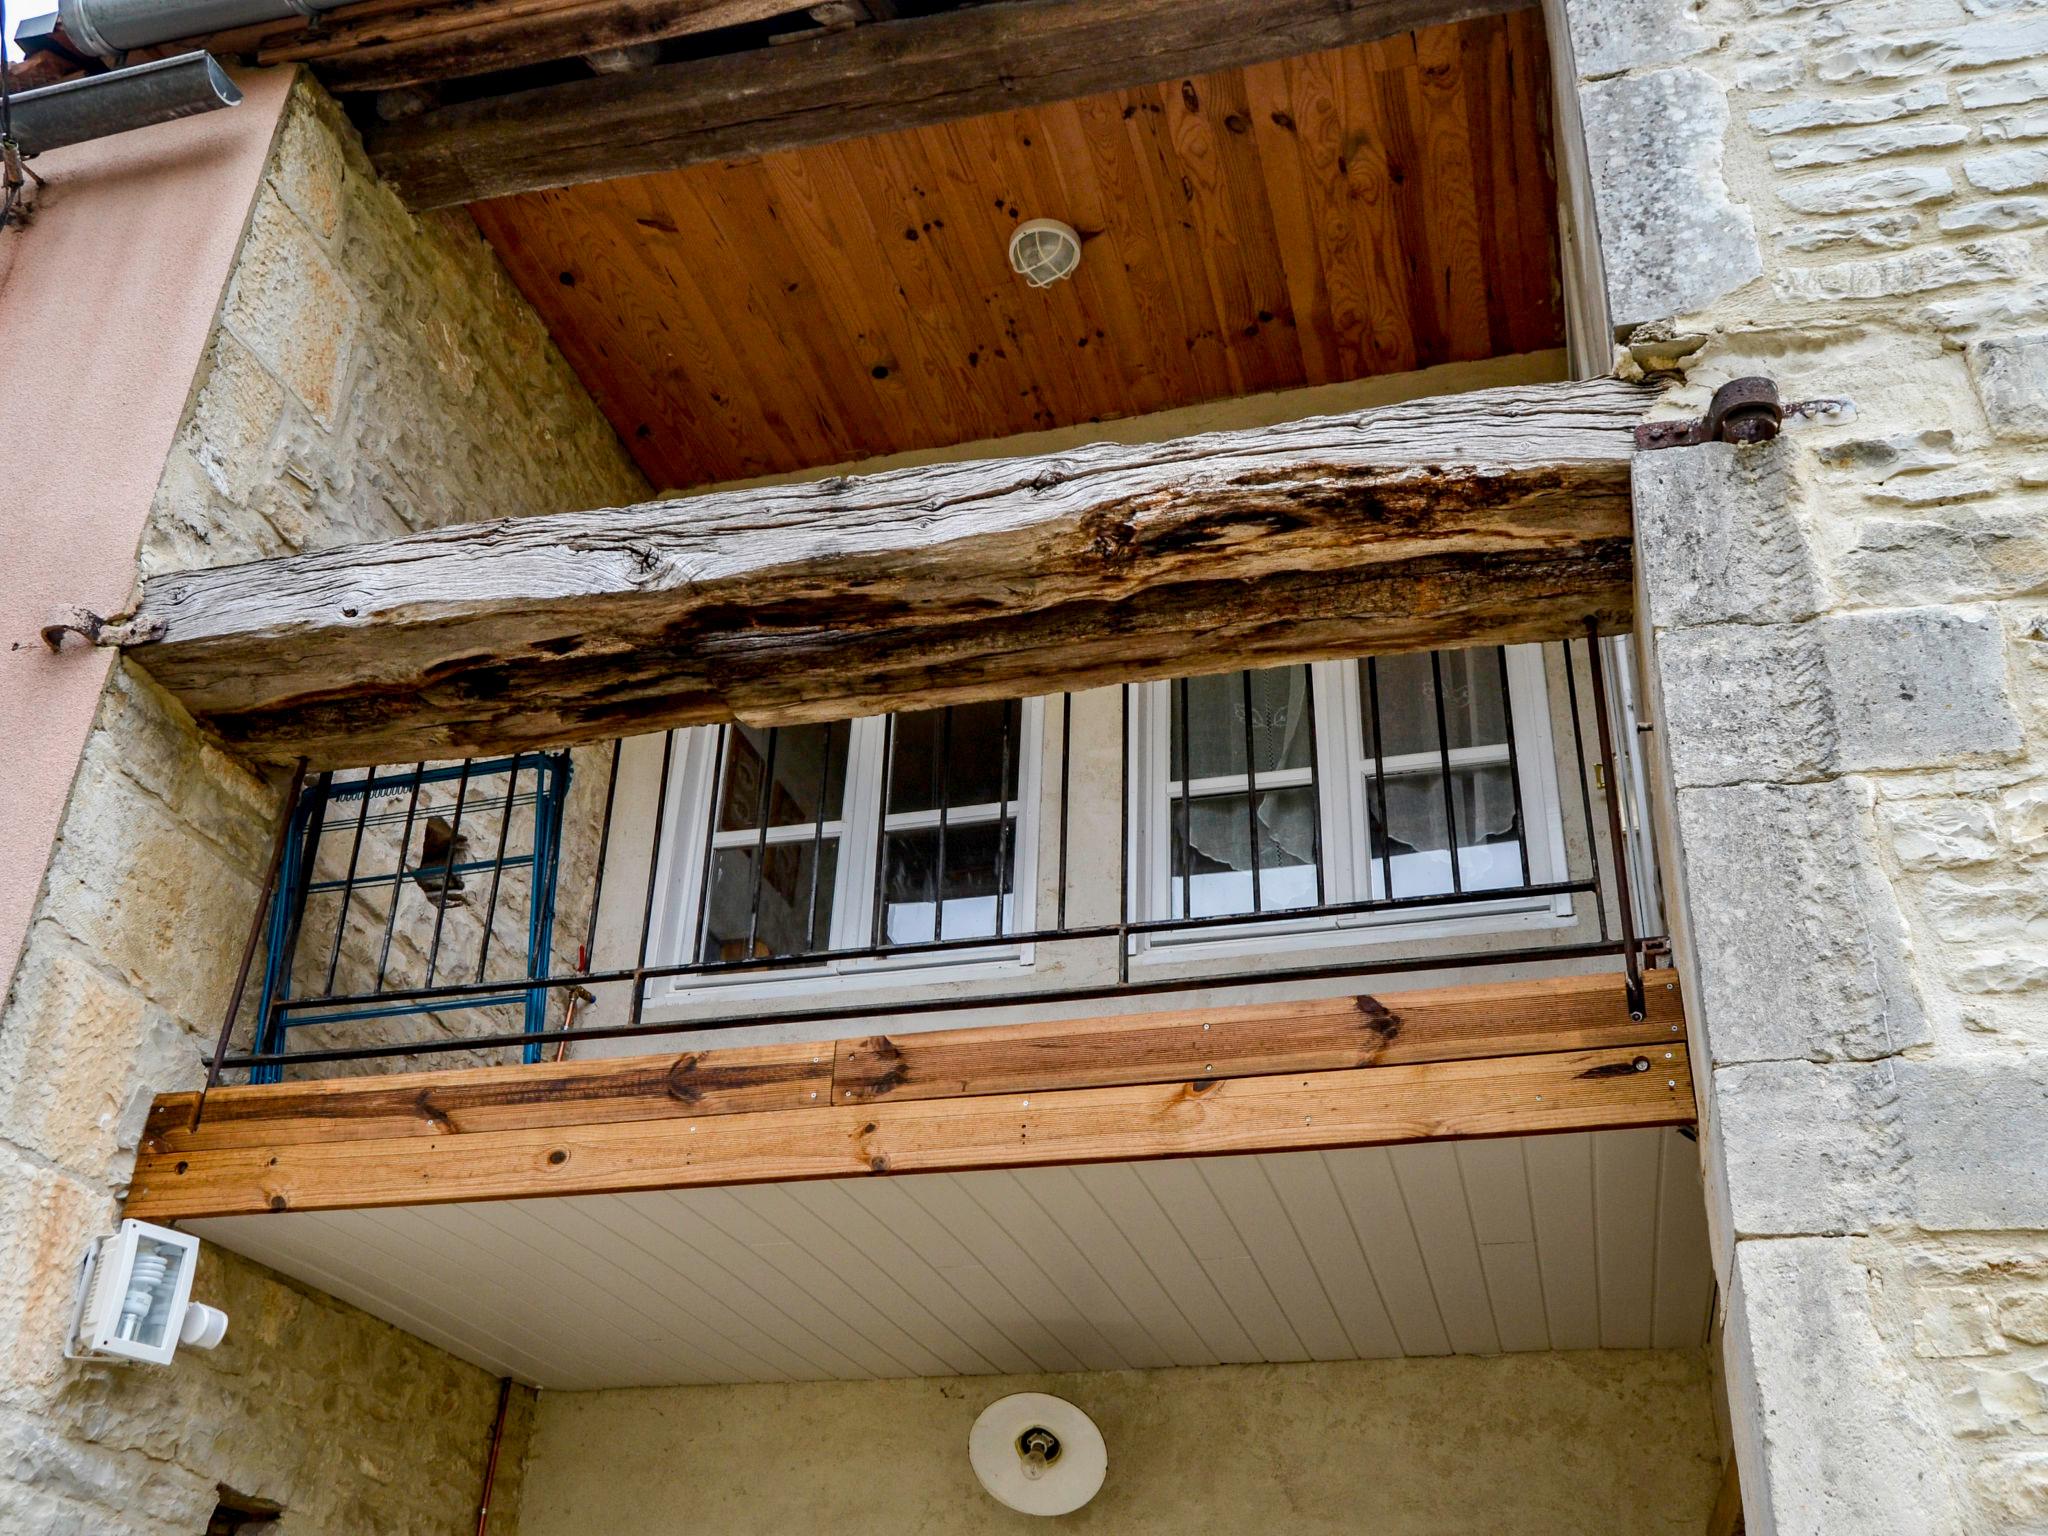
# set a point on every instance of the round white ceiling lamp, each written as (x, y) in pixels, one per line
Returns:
(1037, 1453)
(1042, 251)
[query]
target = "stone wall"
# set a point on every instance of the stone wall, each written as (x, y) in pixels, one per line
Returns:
(1595, 1443)
(369, 373)
(1848, 646)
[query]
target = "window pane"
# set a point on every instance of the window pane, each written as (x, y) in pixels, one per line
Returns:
(1475, 709)
(1407, 705)
(1415, 840)
(918, 778)
(1212, 869)
(1489, 835)
(810, 762)
(1214, 730)
(912, 883)
(795, 908)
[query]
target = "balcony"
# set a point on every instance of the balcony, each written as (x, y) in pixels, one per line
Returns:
(1376, 900)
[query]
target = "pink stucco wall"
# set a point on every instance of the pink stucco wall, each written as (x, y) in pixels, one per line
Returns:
(106, 301)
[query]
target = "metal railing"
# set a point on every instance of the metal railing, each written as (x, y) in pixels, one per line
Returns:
(439, 870)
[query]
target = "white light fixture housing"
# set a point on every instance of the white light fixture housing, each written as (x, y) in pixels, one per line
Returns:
(1042, 251)
(1037, 1453)
(134, 1298)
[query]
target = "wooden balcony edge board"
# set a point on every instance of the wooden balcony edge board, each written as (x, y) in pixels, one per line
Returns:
(1607, 1089)
(1361, 1030)
(1496, 516)
(723, 1081)
(1234, 1040)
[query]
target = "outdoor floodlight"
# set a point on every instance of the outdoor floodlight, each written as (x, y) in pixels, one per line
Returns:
(134, 1298)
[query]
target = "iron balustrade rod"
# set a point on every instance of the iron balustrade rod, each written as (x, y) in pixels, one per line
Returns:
(1122, 931)
(966, 1004)
(699, 966)
(278, 845)
(1631, 958)
(483, 953)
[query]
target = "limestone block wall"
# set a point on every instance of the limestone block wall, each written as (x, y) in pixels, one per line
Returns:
(368, 373)
(1592, 1443)
(1847, 639)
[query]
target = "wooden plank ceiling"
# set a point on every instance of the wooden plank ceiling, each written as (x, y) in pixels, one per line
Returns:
(1583, 1241)
(1366, 211)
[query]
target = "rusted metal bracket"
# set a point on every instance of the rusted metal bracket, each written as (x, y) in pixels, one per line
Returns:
(94, 630)
(1745, 410)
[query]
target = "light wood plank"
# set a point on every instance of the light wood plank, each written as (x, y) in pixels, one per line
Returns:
(1561, 1203)
(630, 1224)
(1372, 1195)
(1490, 517)
(785, 1294)
(1267, 1230)
(741, 1219)
(997, 1250)
(1324, 1226)
(1434, 1192)
(1375, 1105)
(884, 1249)
(733, 1080)
(1386, 1028)
(1685, 1270)
(1514, 1289)
(1061, 1259)
(1191, 1204)
(1118, 1190)
(1113, 1254)
(798, 1220)
(1625, 1182)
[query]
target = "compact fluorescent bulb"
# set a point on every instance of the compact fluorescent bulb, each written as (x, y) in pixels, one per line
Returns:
(134, 1298)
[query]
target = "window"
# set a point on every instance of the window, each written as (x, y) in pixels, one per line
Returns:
(1425, 777)
(910, 829)
(1361, 795)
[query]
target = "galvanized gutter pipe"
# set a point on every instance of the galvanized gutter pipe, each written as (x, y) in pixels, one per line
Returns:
(110, 28)
(94, 106)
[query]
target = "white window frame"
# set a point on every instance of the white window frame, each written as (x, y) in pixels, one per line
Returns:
(693, 773)
(1343, 785)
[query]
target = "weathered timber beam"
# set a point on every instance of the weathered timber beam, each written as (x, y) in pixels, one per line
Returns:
(1498, 516)
(1492, 517)
(381, 44)
(1370, 1106)
(1510, 1018)
(861, 81)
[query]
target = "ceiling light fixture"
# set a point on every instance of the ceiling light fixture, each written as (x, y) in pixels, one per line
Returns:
(1037, 1453)
(1042, 251)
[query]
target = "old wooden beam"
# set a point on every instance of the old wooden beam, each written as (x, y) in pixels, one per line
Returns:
(1492, 517)
(383, 44)
(1508, 1018)
(1371, 1106)
(859, 81)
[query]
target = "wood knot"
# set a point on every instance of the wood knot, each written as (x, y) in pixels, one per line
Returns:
(878, 1164)
(278, 1202)
(430, 1111)
(1617, 1068)
(557, 1157)
(682, 1085)
(1379, 1018)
